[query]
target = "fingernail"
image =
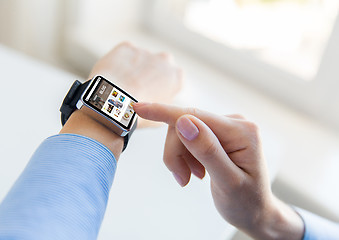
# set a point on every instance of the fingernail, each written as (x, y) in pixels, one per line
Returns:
(187, 128)
(178, 179)
(141, 104)
(198, 174)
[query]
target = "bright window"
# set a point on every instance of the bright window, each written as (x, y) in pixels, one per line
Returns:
(290, 34)
(286, 48)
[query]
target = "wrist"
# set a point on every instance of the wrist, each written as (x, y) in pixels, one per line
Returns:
(278, 221)
(82, 124)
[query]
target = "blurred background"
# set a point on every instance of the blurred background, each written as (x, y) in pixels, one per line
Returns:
(275, 61)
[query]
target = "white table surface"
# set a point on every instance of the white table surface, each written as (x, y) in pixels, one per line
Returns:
(145, 201)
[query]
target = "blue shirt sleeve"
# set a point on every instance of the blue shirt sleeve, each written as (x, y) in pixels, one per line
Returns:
(62, 193)
(317, 228)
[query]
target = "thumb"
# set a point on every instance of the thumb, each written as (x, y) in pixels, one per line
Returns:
(202, 143)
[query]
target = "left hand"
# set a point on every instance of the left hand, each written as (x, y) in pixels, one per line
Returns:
(146, 76)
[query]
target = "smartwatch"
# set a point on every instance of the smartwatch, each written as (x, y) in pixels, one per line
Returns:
(105, 102)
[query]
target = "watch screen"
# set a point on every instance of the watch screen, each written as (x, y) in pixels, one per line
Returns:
(110, 101)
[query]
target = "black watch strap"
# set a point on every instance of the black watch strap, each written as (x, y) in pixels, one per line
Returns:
(128, 136)
(70, 101)
(69, 105)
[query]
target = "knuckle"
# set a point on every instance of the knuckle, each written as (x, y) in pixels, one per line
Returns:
(239, 116)
(210, 150)
(167, 162)
(252, 127)
(253, 131)
(192, 111)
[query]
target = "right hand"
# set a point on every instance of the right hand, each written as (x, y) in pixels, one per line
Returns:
(229, 148)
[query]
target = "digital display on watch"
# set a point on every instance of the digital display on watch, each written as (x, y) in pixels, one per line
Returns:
(111, 101)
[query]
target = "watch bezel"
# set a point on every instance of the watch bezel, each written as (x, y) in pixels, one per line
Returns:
(103, 114)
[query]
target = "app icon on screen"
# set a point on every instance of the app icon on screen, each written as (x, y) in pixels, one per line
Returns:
(115, 93)
(121, 98)
(110, 108)
(115, 103)
(126, 116)
(131, 104)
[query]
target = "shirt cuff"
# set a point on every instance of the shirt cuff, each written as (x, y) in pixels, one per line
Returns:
(317, 227)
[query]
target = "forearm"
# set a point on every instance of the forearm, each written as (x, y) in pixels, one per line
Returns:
(82, 124)
(62, 193)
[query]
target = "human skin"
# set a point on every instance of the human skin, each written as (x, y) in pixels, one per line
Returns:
(229, 148)
(144, 75)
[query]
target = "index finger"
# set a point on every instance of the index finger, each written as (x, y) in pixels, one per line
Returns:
(236, 129)
(168, 113)
(234, 134)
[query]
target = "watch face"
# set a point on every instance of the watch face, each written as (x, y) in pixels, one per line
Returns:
(111, 101)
